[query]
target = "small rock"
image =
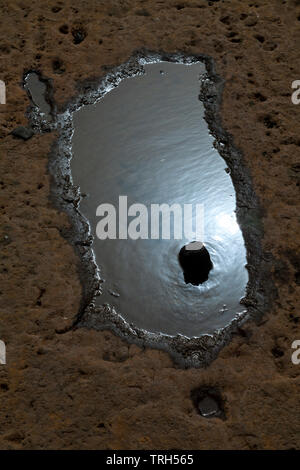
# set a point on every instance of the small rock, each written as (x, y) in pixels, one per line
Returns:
(22, 132)
(208, 407)
(208, 402)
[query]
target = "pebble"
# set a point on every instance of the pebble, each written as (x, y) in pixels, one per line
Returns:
(22, 132)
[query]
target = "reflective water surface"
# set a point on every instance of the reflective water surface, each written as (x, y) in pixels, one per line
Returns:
(37, 89)
(147, 139)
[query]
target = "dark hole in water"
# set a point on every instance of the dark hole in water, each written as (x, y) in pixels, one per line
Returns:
(147, 140)
(195, 262)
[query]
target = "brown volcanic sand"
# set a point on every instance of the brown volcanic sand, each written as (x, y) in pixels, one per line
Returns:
(87, 389)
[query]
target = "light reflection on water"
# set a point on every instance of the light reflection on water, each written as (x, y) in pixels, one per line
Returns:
(147, 139)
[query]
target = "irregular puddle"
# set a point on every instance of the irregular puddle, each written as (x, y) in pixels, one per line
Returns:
(38, 92)
(147, 139)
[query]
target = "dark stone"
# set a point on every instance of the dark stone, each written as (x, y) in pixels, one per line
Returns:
(22, 132)
(208, 402)
(195, 262)
(208, 407)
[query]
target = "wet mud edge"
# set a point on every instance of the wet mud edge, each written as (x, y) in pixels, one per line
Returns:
(65, 196)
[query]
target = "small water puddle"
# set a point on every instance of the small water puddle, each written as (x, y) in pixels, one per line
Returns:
(147, 140)
(37, 89)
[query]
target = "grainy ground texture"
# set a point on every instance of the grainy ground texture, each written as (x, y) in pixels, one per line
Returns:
(87, 389)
